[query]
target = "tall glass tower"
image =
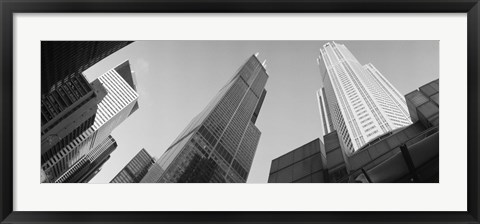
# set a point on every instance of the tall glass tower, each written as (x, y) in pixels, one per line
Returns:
(220, 142)
(357, 100)
(136, 169)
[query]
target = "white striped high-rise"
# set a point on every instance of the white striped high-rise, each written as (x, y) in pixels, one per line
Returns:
(357, 100)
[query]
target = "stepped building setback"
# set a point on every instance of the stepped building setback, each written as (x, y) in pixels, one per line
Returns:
(219, 143)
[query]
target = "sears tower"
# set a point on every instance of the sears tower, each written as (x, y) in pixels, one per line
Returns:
(357, 100)
(220, 142)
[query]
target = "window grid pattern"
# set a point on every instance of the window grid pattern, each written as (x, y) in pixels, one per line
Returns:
(362, 103)
(65, 93)
(221, 140)
(114, 108)
(135, 169)
(343, 113)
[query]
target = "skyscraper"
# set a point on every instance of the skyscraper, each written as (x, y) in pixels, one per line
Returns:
(407, 155)
(68, 101)
(219, 143)
(67, 110)
(136, 169)
(60, 59)
(86, 168)
(119, 103)
(357, 100)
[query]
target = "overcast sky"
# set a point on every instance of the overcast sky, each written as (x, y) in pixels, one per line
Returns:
(177, 79)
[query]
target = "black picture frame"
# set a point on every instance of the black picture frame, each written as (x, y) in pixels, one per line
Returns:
(9, 7)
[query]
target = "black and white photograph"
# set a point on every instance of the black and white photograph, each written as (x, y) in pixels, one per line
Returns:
(240, 111)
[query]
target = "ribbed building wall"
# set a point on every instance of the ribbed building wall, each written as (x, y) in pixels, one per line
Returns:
(361, 103)
(114, 108)
(104, 149)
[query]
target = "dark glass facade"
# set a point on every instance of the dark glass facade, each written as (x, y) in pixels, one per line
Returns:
(336, 156)
(407, 155)
(136, 169)
(60, 59)
(306, 164)
(219, 143)
(423, 104)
